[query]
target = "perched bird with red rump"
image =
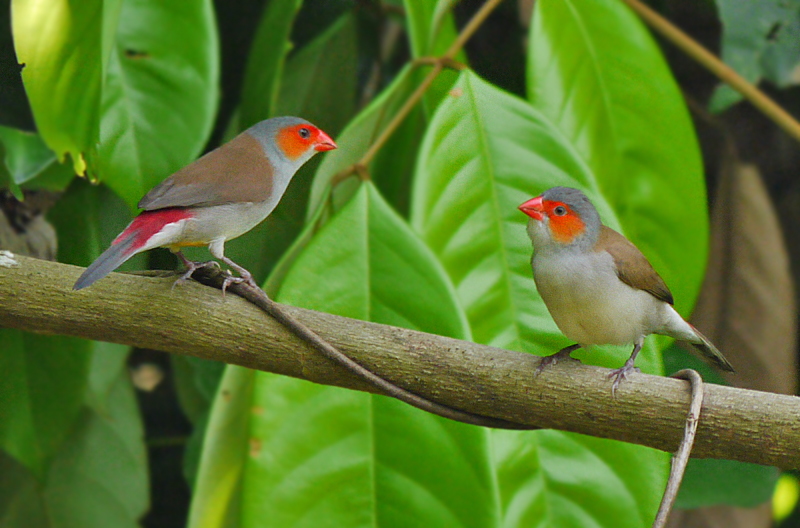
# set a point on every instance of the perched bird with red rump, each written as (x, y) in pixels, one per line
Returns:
(221, 196)
(599, 288)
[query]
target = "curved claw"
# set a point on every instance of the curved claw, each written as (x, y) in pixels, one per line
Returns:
(191, 267)
(619, 375)
(230, 279)
(564, 353)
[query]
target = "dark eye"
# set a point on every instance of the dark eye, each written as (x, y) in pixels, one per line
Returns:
(560, 210)
(304, 133)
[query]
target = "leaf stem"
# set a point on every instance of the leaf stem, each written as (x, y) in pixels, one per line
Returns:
(727, 74)
(448, 58)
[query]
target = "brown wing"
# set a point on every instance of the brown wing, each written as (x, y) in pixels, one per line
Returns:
(236, 172)
(633, 268)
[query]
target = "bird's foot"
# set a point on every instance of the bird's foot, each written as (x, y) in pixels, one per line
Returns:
(621, 374)
(245, 278)
(564, 353)
(191, 267)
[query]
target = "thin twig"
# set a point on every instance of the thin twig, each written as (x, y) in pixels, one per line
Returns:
(681, 458)
(727, 74)
(446, 60)
(213, 276)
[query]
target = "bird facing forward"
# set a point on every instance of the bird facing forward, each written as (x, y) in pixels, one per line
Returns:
(598, 287)
(221, 196)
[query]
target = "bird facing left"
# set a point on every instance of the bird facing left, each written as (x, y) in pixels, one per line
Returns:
(221, 196)
(599, 288)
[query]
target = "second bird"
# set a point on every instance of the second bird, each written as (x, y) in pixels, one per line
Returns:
(220, 196)
(599, 288)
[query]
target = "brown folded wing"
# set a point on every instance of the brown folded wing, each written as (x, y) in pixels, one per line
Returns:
(236, 172)
(633, 268)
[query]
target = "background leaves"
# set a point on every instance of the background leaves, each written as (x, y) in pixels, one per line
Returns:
(426, 235)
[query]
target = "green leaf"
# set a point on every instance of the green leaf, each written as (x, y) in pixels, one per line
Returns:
(160, 94)
(48, 377)
(97, 479)
(61, 44)
(352, 455)
(709, 482)
(549, 478)
(431, 31)
(625, 116)
(265, 61)
(354, 142)
(26, 155)
(41, 393)
(486, 152)
(759, 40)
(321, 455)
(319, 80)
(217, 497)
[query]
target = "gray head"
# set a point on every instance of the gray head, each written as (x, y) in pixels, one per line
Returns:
(562, 217)
(289, 142)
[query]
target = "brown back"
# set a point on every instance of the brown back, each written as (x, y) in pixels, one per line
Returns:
(236, 172)
(633, 268)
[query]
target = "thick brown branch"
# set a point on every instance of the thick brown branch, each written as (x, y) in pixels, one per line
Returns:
(196, 320)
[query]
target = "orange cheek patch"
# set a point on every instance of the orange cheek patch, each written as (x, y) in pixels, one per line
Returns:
(291, 143)
(566, 228)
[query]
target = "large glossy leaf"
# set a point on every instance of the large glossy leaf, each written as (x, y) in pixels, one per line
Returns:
(159, 95)
(61, 45)
(41, 393)
(265, 61)
(759, 40)
(393, 465)
(597, 74)
(217, 498)
(485, 153)
(48, 377)
(324, 456)
(548, 478)
(97, 479)
(148, 68)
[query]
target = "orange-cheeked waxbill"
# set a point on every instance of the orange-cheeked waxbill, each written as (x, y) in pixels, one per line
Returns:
(598, 287)
(221, 196)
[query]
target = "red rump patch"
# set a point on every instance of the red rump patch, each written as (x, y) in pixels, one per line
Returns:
(148, 223)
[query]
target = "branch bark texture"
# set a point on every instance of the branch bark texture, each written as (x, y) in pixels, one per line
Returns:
(192, 319)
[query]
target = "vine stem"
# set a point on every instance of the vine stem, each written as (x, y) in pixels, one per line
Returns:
(725, 73)
(472, 26)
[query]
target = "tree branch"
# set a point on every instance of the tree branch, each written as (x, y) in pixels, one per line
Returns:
(737, 424)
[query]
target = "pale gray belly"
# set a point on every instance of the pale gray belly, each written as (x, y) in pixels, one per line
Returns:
(223, 222)
(590, 305)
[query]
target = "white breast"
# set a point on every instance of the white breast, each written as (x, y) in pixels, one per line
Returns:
(589, 303)
(224, 221)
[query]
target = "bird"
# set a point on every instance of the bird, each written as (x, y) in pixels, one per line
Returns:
(218, 197)
(597, 285)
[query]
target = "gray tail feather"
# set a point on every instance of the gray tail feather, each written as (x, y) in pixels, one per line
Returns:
(711, 352)
(111, 259)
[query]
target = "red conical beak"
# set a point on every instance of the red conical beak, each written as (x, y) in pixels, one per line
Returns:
(324, 142)
(533, 208)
